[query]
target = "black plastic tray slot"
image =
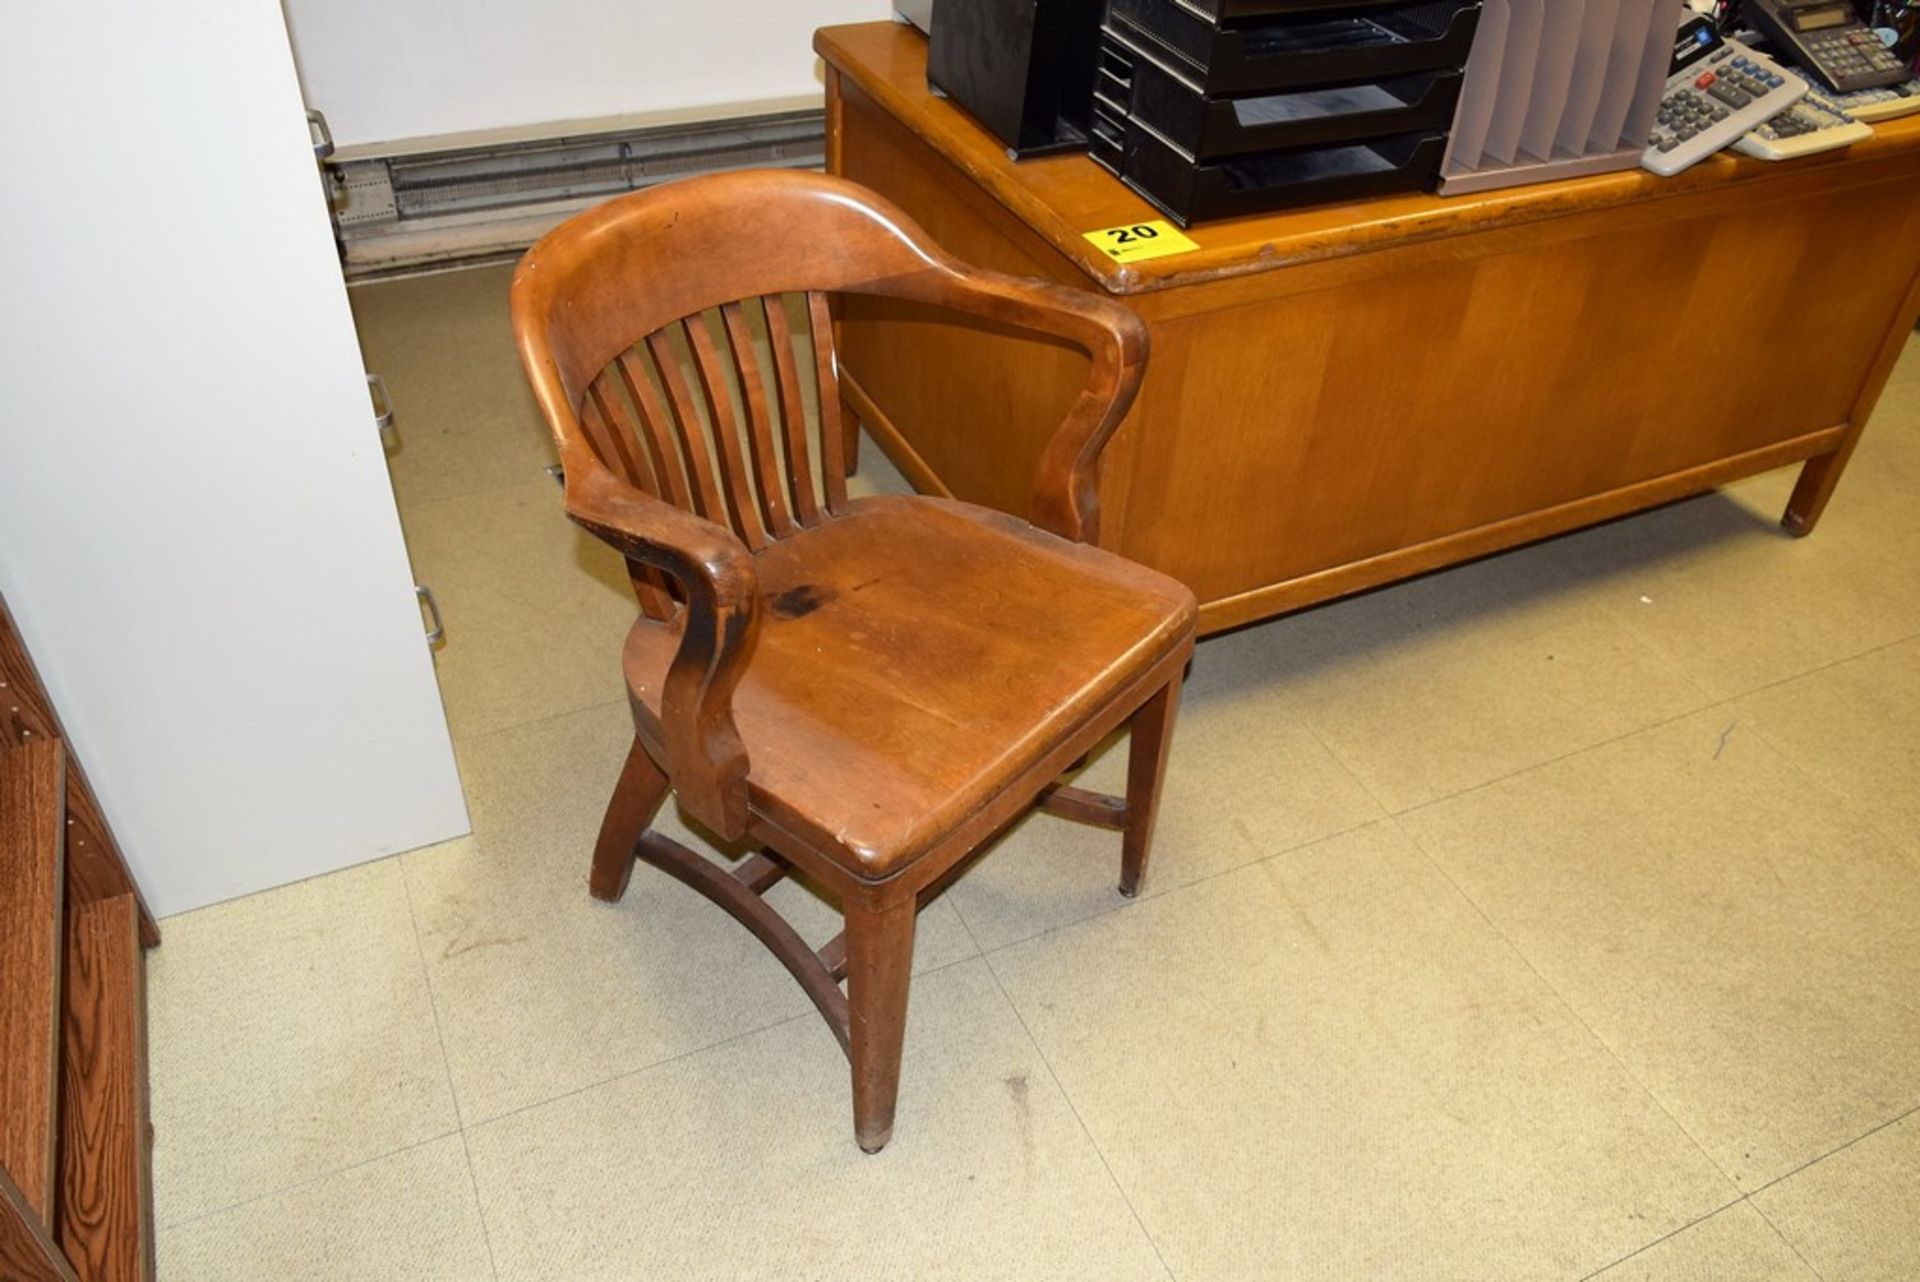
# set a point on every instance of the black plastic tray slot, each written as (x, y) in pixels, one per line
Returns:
(1190, 192)
(1301, 46)
(1207, 127)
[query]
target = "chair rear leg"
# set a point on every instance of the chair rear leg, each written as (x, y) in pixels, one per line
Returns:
(636, 800)
(879, 964)
(1152, 735)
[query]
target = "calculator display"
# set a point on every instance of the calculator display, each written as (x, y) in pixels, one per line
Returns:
(1822, 18)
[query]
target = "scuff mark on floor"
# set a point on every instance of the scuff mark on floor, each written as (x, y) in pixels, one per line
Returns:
(456, 946)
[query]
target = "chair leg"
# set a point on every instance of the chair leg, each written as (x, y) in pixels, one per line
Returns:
(1152, 735)
(879, 964)
(636, 800)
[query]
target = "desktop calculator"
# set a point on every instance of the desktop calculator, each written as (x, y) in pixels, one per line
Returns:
(1828, 38)
(1715, 93)
(1815, 124)
(1884, 103)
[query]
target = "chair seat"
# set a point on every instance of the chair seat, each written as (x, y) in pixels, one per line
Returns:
(930, 651)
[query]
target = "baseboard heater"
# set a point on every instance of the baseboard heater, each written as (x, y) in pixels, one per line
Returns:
(431, 203)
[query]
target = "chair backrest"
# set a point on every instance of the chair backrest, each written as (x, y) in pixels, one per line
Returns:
(672, 338)
(718, 277)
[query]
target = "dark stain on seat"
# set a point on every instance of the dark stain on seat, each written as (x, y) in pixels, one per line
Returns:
(798, 602)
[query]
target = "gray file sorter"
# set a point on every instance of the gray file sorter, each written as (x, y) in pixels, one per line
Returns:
(1558, 89)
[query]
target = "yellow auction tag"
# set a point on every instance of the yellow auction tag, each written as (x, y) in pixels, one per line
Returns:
(1137, 242)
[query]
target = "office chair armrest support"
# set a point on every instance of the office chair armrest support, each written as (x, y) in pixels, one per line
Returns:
(708, 761)
(1066, 498)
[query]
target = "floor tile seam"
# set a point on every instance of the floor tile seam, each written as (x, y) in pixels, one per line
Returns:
(471, 739)
(479, 1207)
(1818, 668)
(433, 1004)
(1126, 1199)
(479, 1123)
(1125, 903)
(1836, 1150)
(1711, 705)
(433, 1000)
(415, 506)
(965, 925)
(294, 1186)
(1791, 1245)
(1664, 1237)
(1846, 805)
(1555, 760)
(1306, 721)
(1553, 989)
(405, 505)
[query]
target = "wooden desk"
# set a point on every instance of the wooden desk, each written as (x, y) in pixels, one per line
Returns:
(1347, 395)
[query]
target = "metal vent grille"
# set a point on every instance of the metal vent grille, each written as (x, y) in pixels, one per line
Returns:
(446, 208)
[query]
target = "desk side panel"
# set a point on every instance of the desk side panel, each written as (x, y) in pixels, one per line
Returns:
(1320, 428)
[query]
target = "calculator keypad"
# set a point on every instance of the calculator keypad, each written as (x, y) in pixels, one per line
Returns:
(1723, 87)
(1845, 54)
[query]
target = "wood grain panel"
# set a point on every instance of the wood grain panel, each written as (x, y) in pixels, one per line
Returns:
(1287, 438)
(95, 867)
(106, 1200)
(32, 874)
(27, 1252)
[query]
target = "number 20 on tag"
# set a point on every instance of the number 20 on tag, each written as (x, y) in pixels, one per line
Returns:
(1137, 242)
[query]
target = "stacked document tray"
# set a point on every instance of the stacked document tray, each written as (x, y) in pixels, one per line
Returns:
(1212, 108)
(1559, 88)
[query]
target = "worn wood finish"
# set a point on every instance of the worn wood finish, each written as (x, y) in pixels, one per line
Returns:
(106, 1196)
(32, 876)
(1346, 395)
(95, 867)
(879, 966)
(1150, 741)
(636, 799)
(27, 1251)
(869, 689)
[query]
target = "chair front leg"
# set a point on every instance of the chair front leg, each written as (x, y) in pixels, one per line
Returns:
(636, 800)
(879, 965)
(1151, 736)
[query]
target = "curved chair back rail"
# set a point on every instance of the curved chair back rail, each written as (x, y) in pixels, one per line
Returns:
(666, 334)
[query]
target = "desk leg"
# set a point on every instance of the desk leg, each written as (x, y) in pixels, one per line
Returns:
(1822, 475)
(1818, 480)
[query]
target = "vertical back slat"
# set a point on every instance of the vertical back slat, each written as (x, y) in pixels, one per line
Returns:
(655, 428)
(793, 413)
(610, 419)
(726, 431)
(603, 431)
(607, 425)
(833, 462)
(760, 440)
(693, 442)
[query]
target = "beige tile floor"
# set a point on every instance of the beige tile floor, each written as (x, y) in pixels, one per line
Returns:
(1555, 917)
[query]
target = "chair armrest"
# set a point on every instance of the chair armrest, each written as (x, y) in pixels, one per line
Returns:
(707, 760)
(1066, 481)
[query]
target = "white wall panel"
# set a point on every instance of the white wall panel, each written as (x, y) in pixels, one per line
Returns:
(389, 69)
(197, 530)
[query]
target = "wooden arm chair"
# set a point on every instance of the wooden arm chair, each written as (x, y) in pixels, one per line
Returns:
(868, 689)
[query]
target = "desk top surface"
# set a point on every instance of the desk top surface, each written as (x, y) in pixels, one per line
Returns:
(1064, 197)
